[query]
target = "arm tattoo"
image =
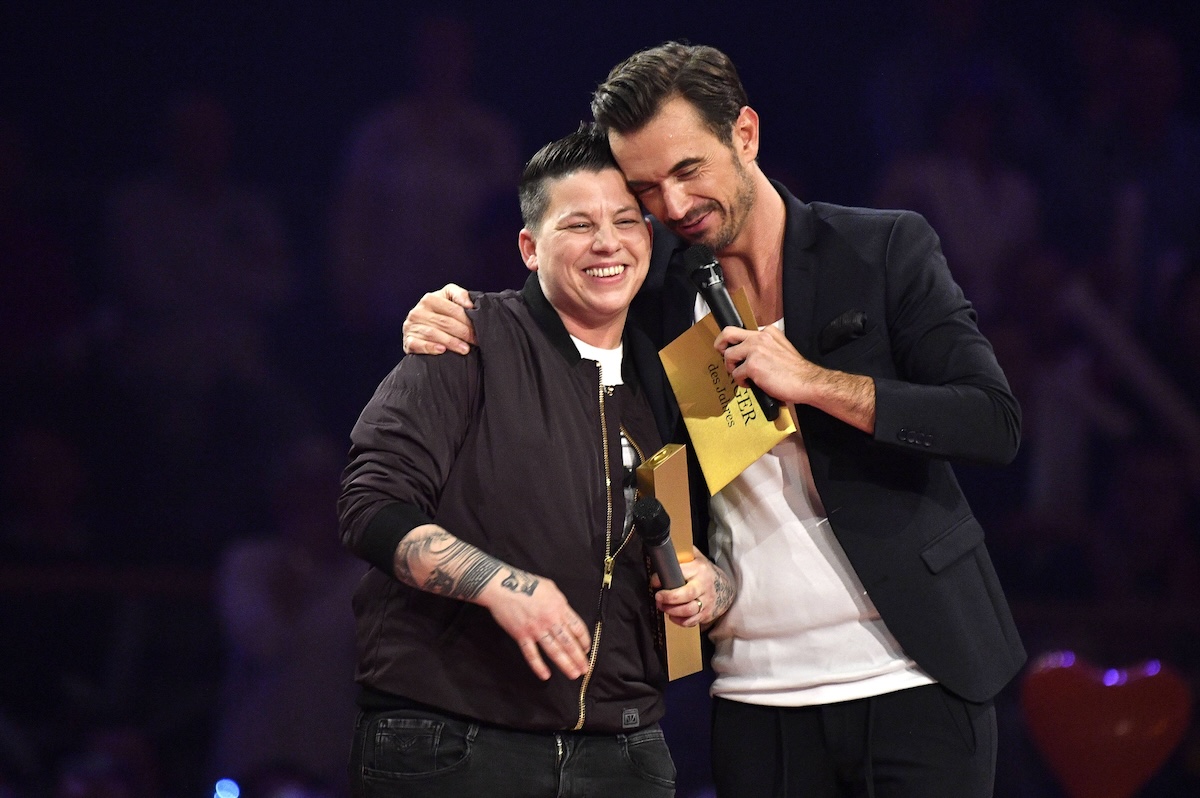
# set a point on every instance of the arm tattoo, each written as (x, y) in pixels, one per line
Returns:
(439, 582)
(452, 568)
(724, 590)
(477, 570)
(520, 582)
(401, 564)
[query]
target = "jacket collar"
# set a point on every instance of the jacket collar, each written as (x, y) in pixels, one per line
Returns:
(551, 325)
(799, 271)
(800, 231)
(548, 320)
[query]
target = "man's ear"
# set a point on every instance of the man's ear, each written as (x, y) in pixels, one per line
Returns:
(745, 134)
(528, 249)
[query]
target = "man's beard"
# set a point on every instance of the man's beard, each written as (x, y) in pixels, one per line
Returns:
(733, 218)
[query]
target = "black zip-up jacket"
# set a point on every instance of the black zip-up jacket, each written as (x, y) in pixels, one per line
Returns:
(516, 449)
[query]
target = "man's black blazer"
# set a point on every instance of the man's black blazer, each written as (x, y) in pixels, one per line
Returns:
(891, 498)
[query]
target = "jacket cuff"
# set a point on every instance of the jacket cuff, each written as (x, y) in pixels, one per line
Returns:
(385, 531)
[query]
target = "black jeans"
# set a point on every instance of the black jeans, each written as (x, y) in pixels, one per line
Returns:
(924, 742)
(423, 754)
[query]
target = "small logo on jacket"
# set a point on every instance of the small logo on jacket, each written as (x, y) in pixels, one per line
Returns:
(629, 719)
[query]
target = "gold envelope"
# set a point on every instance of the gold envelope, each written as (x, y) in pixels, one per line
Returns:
(726, 425)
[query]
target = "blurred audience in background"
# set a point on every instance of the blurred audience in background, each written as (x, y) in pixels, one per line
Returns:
(410, 211)
(1146, 546)
(943, 46)
(1123, 192)
(114, 761)
(279, 780)
(43, 316)
(46, 498)
(201, 262)
(983, 207)
(201, 271)
(1176, 335)
(284, 604)
(176, 396)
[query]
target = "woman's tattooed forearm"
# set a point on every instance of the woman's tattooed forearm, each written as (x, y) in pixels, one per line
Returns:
(462, 573)
(449, 566)
(520, 582)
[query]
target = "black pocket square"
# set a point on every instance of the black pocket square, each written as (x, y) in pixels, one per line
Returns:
(842, 330)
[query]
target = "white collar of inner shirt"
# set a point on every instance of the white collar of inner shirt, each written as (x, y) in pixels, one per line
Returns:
(609, 360)
(701, 310)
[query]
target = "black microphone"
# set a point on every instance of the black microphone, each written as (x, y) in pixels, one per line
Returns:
(705, 271)
(654, 525)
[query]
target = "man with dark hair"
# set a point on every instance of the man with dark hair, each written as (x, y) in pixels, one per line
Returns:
(488, 493)
(870, 634)
(704, 76)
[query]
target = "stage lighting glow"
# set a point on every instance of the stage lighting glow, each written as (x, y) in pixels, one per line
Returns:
(1058, 659)
(227, 788)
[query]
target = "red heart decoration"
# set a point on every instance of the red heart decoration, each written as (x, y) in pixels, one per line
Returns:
(1104, 733)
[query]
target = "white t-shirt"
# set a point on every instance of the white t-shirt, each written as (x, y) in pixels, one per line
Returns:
(609, 360)
(802, 630)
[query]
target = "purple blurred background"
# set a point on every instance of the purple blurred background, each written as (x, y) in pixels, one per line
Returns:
(214, 216)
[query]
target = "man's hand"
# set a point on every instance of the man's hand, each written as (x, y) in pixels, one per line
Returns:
(706, 596)
(439, 322)
(768, 358)
(535, 613)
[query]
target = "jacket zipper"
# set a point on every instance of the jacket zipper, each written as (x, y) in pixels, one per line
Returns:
(609, 559)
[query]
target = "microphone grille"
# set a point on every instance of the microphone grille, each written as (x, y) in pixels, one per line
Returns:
(698, 256)
(651, 520)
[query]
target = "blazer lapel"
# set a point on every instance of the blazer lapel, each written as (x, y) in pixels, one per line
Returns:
(799, 274)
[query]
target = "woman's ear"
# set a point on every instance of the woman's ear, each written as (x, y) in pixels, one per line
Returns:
(528, 249)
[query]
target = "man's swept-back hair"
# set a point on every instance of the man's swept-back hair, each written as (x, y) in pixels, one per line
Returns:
(638, 87)
(585, 150)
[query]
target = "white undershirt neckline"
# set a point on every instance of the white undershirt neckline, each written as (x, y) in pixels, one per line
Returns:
(802, 630)
(609, 360)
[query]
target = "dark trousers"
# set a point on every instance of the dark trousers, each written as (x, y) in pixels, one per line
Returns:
(923, 742)
(423, 754)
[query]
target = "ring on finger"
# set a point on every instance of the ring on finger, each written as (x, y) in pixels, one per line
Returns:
(699, 606)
